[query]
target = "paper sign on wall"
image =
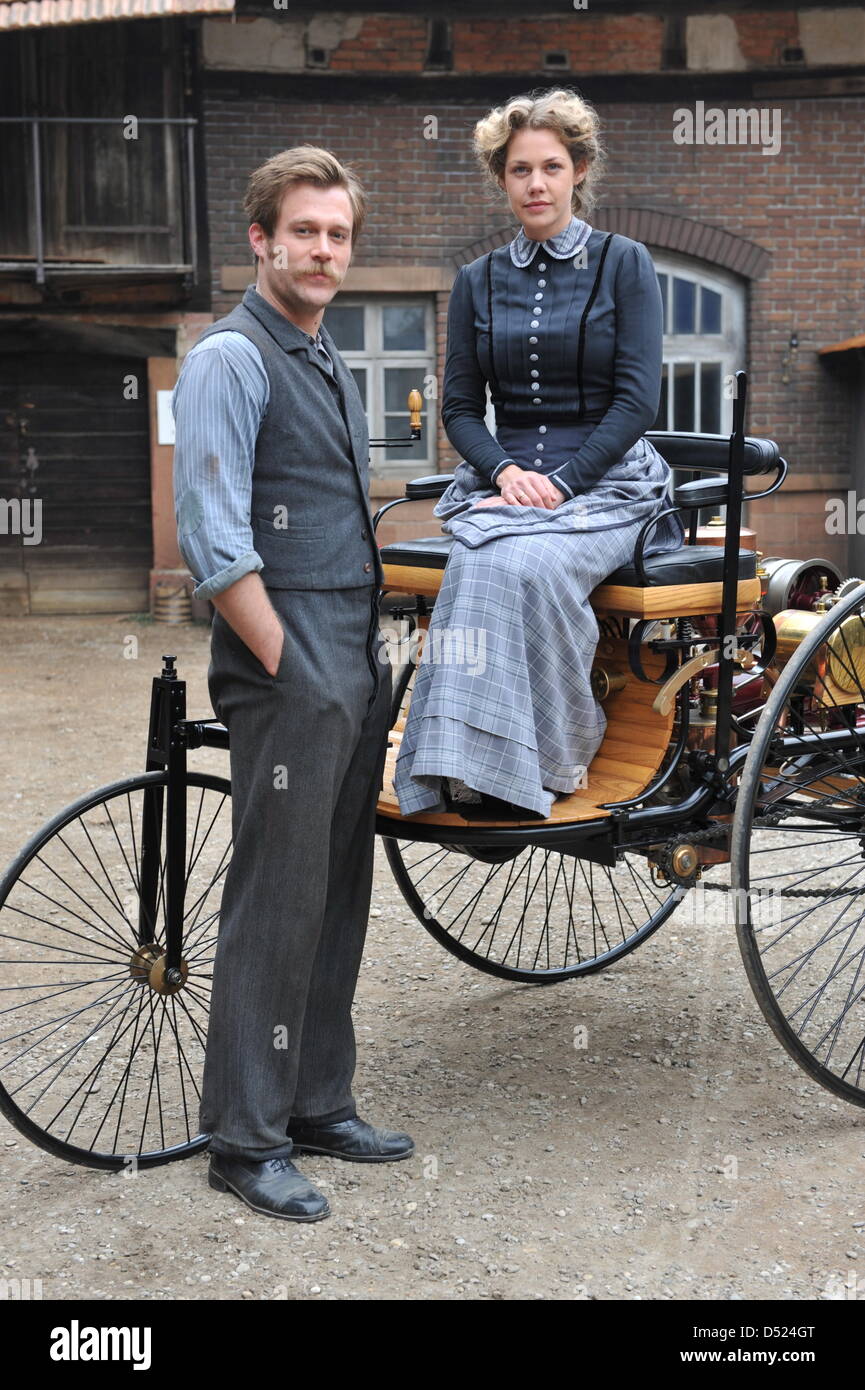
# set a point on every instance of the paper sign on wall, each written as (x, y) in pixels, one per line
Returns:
(164, 418)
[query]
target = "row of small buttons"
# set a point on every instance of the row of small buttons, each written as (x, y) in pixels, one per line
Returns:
(533, 357)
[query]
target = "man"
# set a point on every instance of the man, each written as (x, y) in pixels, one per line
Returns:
(270, 477)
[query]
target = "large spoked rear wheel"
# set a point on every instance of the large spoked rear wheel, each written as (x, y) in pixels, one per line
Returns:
(798, 854)
(532, 915)
(97, 1064)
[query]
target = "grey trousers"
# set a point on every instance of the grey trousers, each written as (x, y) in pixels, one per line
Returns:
(307, 750)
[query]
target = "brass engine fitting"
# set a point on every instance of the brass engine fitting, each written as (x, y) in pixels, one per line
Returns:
(604, 682)
(841, 660)
(825, 599)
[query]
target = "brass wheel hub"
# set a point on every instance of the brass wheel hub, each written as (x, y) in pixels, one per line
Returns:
(148, 964)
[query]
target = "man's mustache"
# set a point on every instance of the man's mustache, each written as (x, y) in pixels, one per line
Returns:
(316, 270)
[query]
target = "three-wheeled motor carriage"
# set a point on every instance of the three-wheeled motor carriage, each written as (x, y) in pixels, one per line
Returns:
(733, 763)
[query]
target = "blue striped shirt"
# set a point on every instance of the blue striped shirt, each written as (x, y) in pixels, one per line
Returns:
(218, 405)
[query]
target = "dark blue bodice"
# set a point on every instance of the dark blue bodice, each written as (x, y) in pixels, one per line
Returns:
(571, 350)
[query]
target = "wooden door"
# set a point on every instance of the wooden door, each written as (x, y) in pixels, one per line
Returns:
(75, 458)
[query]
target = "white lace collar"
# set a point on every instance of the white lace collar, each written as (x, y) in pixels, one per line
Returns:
(562, 246)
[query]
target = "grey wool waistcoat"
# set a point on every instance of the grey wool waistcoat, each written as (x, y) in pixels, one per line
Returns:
(310, 512)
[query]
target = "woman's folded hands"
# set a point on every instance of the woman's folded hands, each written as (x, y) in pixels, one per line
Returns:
(523, 487)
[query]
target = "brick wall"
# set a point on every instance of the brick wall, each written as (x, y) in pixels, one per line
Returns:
(805, 206)
(800, 210)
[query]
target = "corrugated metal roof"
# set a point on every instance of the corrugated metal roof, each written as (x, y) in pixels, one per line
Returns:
(41, 14)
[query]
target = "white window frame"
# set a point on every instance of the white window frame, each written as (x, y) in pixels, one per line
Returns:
(726, 347)
(374, 358)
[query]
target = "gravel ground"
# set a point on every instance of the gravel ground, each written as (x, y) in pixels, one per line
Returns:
(679, 1154)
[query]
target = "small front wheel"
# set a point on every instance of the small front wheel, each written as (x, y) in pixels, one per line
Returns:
(100, 1062)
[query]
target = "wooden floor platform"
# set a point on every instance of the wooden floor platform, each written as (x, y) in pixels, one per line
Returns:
(631, 753)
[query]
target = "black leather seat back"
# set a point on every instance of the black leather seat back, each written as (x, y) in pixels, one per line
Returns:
(712, 451)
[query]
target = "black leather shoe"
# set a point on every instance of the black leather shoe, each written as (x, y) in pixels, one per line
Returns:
(272, 1187)
(492, 808)
(352, 1139)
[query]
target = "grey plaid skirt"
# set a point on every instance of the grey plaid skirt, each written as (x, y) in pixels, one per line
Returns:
(502, 695)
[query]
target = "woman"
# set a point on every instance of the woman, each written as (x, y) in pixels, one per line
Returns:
(565, 325)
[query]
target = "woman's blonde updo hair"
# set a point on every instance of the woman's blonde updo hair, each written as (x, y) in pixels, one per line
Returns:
(558, 109)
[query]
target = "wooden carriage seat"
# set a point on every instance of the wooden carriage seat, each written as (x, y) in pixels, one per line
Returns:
(685, 583)
(688, 581)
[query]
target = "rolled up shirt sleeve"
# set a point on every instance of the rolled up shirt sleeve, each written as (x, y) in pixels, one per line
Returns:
(218, 403)
(464, 399)
(637, 375)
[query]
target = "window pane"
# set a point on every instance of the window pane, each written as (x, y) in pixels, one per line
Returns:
(660, 422)
(359, 374)
(710, 398)
(710, 311)
(398, 381)
(404, 327)
(344, 322)
(683, 396)
(683, 305)
(662, 285)
(397, 426)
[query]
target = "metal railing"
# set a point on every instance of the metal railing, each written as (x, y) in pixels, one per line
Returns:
(187, 195)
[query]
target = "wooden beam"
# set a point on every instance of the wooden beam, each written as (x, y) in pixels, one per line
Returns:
(162, 376)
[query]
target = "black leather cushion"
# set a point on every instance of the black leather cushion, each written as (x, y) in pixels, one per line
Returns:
(433, 485)
(702, 492)
(691, 564)
(430, 552)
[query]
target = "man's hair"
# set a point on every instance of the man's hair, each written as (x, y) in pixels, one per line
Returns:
(269, 183)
